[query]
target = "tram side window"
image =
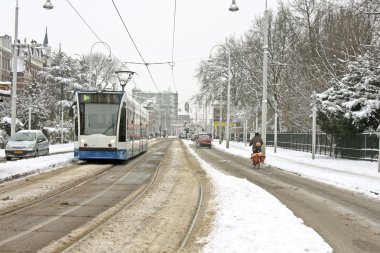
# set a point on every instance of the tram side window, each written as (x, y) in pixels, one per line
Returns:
(123, 123)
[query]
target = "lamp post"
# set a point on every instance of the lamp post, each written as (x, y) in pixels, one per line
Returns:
(124, 77)
(228, 92)
(14, 75)
(109, 55)
(234, 7)
(265, 78)
(48, 5)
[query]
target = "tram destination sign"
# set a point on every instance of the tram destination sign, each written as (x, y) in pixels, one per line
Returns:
(99, 98)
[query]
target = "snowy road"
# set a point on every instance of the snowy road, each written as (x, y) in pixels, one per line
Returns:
(234, 230)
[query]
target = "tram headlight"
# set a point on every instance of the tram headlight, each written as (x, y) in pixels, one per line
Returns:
(111, 143)
(83, 141)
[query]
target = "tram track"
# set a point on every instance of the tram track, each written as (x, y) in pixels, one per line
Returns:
(194, 221)
(9, 236)
(10, 192)
(124, 206)
(9, 189)
(168, 216)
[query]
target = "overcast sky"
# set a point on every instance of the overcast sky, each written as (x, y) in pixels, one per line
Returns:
(200, 24)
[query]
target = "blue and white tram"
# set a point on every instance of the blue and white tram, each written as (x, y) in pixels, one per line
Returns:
(109, 125)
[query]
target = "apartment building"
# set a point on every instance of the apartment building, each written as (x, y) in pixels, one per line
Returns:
(5, 57)
(163, 106)
(31, 58)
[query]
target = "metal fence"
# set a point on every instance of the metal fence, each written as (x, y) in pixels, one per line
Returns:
(360, 146)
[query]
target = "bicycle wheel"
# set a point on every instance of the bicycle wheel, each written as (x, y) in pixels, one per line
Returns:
(258, 165)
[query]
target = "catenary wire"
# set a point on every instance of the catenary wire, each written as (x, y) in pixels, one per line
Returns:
(148, 63)
(92, 30)
(138, 51)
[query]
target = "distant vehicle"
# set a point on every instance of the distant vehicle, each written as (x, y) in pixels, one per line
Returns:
(203, 140)
(27, 143)
(194, 137)
(5, 89)
(182, 135)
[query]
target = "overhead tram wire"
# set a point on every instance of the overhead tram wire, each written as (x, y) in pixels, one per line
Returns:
(148, 63)
(172, 63)
(138, 51)
(89, 27)
(92, 30)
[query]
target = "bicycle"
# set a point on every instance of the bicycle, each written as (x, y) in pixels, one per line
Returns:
(257, 159)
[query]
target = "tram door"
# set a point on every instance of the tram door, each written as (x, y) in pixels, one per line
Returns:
(123, 130)
(129, 132)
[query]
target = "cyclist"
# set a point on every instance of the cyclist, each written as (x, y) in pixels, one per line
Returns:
(256, 143)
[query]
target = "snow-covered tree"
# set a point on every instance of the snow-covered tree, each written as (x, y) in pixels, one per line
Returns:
(352, 104)
(61, 78)
(35, 97)
(101, 70)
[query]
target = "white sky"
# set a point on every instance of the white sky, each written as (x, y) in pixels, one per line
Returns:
(251, 226)
(199, 26)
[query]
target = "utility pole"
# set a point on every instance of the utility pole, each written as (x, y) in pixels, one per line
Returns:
(275, 131)
(314, 130)
(14, 75)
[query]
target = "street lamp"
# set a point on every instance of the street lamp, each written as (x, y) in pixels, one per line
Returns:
(47, 5)
(109, 55)
(124, 77)
(233, 6)
(228, 93)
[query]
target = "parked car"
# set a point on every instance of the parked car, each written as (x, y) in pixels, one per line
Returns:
(27, 143)
(203, 140)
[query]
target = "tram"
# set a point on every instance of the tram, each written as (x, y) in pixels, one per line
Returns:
(108, 125)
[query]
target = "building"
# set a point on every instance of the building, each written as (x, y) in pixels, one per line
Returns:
(163, 107)
(31, 58)
(5, 57)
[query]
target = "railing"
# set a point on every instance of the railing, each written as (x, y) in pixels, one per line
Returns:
(360, 146)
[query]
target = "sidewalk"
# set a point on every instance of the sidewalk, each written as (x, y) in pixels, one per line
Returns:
(358, 176)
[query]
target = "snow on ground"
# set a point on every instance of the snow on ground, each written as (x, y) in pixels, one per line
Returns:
(354, 175)
(16, 168)
(249, 218)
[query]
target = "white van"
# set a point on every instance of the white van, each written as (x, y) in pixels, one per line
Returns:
(27, 143)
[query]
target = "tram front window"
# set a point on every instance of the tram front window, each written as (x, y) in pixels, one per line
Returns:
(98, 118)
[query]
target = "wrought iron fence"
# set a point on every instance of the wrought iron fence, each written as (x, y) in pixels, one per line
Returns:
(360, 146)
